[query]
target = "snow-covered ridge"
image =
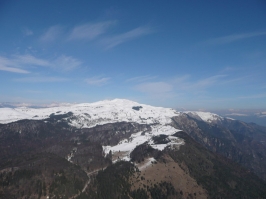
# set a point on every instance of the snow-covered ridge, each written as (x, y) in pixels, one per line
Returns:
(102, 112)
(205, 116)
(126, 146)
(87, 115)
(91, 114)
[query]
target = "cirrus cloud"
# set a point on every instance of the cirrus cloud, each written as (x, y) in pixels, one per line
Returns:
(97, 80)
(51, 34)
(233, 38)
(112, 41)
(90, 31)
(154, 87)
(18, 63)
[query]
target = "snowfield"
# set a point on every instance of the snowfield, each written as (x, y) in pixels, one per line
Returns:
(92, 114)
(126, 146)
(108, 111)
(205, 116)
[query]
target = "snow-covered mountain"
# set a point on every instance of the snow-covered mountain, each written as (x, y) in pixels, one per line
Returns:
(108, 111)
(164, 149)
(204, 116)
(88, 115)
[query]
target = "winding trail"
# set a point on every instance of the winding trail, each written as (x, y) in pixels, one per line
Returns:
(88, 182)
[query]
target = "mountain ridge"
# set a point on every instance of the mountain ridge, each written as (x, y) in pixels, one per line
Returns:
(158, 150)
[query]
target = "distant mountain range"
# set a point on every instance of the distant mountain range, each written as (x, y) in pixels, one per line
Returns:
(123, 149)
(258, 117)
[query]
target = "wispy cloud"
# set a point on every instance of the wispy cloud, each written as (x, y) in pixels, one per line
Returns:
(13, 70)
(51, 34)
(41, 79)
(10, 66)
(90, 31)
(141, 78)
(180, 79)
(256, 96)
(18, 63)
(30, 60)
(154, 87)
(27, 32)
(180, 86)
(66, 63)
(206, 82)
(233, 38)
(97, 80)
(237, 79)
(99, 32)
(113, 41)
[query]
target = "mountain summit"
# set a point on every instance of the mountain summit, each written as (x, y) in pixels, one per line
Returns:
(102, 112)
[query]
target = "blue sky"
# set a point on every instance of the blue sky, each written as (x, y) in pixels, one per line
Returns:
(191, 54)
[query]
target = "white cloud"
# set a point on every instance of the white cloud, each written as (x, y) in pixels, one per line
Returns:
(178, 86)
(154, 87)
(141, 78)
(113, 41)
(256, 96)
(187, 84)
(177, 80)
(10, 66)
(66, 63)
(41, 79)
(90, 30)
(207, 82)
(97, 81)
(13, 70)
(17, 63)
(31, 60)
(233, 38)
(51, 34)
(236, 114)
(27, 32)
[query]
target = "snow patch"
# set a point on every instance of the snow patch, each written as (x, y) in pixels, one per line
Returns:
(126, 146)
(205, 116)
(148, 162)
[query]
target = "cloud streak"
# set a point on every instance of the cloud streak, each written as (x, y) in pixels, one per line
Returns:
(112, 41)
(97, 31)
(51, 34)
(141, 78)
(27, 32)
(13, 70)
(183, 85)
(67, 63)
(90, 31)
(18, 63)
(154, 87)
(10, 66)
(41, 79)
(233, 38)
(30, 60)
(206, 82)
(97, 81)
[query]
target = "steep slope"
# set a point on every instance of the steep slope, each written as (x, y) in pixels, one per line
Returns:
(241, 142)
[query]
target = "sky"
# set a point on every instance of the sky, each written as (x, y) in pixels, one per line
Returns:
(187, 54)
